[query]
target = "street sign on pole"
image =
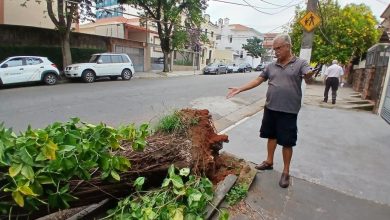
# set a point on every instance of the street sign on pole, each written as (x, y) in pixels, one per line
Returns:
(310, 21)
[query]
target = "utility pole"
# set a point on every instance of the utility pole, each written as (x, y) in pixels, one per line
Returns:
(307, 41)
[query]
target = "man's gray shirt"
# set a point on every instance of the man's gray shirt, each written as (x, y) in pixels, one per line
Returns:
(284, 92)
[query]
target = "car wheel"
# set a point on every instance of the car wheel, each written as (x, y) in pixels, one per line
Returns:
(88, 76)
(113, 77)
(50, 79)
(126, 74)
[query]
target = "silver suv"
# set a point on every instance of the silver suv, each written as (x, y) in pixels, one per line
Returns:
(101, 65)
(20, 69)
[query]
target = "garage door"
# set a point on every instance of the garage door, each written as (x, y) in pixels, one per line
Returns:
(136, 55)
(386, 106)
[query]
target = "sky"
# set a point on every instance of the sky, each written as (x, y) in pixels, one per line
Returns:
(271, 15)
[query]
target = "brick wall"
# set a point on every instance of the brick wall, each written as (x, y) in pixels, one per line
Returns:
(357, 81)
(369, 74)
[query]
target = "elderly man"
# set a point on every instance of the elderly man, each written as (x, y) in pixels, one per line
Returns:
(284, 95)
(332, 76)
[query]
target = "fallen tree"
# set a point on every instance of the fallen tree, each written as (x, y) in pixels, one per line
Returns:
(191, 142)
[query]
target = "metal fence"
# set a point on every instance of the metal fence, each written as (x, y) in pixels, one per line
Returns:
(378, 57)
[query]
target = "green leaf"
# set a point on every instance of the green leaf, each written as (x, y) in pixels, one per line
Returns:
(26, 190)
(44, 179)
(18, 198)
(184, 172)
(223, 215)
(171, 170)
(40, 157)
(178, 214)
(28, 172)
(15, 169)
(115, 175)
(177, 181)
(138, 183)
(166, 182)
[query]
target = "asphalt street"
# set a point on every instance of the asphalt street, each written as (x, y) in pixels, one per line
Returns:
(119, 102)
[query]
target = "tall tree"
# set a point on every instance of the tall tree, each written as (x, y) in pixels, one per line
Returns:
(344, 33)
(254, 47)
(168, 16)
(63, 13)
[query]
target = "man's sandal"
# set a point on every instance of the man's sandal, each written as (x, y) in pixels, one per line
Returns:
(264, 166)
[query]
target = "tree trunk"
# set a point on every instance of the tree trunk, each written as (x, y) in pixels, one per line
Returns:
(65, 49)
(166, 62)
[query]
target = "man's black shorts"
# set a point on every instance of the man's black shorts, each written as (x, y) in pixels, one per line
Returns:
(281, 126)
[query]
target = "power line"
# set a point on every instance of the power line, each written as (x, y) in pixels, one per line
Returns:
(255, 8)
(150, 19)
(286, 5)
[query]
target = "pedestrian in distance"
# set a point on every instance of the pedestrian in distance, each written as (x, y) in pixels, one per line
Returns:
(283, 102)
(333, 76)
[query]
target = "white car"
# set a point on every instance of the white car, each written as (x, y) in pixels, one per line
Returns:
(232, 68)
(20, 69)
(102, 65)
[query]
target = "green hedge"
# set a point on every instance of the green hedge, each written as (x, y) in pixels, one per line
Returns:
(79, 55)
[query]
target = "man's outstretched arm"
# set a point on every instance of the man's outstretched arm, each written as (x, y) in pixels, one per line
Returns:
(250, 85)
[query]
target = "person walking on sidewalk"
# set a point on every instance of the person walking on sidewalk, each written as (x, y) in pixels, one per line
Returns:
(332, 79)
(283, 102)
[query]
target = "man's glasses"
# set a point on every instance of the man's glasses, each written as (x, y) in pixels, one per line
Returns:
(278, 48)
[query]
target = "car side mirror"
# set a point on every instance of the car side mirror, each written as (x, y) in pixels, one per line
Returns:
(100, 61)
(4, 65)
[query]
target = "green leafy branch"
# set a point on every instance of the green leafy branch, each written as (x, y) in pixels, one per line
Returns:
(36, 165)
(181, 196)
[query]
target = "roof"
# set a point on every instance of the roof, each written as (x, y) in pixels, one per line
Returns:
(239, 27)
(386, 12)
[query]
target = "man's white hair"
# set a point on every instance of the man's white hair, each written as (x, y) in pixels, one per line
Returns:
(284, 37)
(334, 62)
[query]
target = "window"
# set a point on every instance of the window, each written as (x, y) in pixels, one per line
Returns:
(125, 59)
(116, 59)
(230, 38)
(205, 31)
(33, 61)
(15, 62)
(218, 36)
(105, 59)
(212, 34)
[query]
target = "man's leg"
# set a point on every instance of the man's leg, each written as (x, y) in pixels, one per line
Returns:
(271, 146)
(287, 155)
(327, 87)
(335, 86)
(285, 178)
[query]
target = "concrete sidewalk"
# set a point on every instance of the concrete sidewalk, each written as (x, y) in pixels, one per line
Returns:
(339, 166)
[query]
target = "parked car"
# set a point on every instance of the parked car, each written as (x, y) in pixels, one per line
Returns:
(260, 67)
(19, 69)
(244, 67)
(233, 68)
(101, 65)
(215, 68)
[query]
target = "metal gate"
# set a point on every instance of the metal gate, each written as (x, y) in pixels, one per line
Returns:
(386, 105)
(136, 55)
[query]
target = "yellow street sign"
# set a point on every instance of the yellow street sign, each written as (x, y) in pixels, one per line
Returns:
(310, 21)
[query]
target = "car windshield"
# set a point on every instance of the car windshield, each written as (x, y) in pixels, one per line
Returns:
(94, 59)
(242, 65)
(212, 65)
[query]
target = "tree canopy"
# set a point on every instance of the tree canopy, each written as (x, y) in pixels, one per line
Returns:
(173, 18)
(344, 33)
(254, 47)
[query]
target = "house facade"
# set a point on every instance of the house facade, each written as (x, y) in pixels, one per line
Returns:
(32, 14)
(233, 36)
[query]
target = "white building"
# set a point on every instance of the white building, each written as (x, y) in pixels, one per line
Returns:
(233, 36)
